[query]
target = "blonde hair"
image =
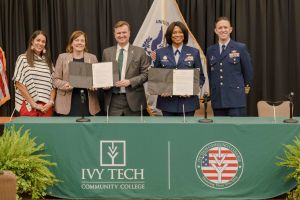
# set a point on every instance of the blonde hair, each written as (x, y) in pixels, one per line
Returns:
(121, 23)
(73, 36)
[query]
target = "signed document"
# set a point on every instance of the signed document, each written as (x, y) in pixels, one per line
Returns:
(97, 75)
(102, 74)
(183, 82)
(173, 81)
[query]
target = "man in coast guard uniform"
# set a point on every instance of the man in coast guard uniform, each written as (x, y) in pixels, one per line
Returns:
(230, 72)
(178, 56)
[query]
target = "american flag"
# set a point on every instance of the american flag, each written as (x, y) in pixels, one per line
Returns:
(4, 93)
(219, 165)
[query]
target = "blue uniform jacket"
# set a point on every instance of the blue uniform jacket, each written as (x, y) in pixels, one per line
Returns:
(228, 74)
(189, 58)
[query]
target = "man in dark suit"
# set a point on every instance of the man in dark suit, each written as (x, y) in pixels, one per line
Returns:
(128, 96)
(230, 72)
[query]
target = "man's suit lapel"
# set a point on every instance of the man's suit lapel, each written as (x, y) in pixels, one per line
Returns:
(114, 53)
(129, 57)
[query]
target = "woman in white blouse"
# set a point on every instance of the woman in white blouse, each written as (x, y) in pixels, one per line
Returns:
(34, 94)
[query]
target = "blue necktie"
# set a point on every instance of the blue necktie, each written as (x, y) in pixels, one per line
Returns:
(223, 48)
(177, 55)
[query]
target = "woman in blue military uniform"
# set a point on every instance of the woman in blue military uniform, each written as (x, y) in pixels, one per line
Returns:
(177, 55)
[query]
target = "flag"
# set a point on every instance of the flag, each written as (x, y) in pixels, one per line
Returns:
(219, 165)
(151, 37)
(4, 92)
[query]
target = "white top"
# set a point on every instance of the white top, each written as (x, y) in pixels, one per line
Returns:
(37, 79)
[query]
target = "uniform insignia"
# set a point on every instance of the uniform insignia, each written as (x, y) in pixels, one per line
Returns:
(234, 54)
(189, 58)
(165, 58)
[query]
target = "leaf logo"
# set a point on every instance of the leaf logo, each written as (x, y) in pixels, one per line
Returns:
(112, 153)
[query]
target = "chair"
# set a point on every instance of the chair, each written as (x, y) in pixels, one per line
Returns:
(265, 109)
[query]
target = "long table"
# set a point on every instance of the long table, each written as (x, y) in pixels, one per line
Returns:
(165, 157)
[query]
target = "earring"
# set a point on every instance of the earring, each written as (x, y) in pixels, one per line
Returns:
(44, 51)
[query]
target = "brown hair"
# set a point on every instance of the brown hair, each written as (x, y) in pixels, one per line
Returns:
(30, 52)
(170, 29)
(222, 18)
(73, 36)
(121, 23)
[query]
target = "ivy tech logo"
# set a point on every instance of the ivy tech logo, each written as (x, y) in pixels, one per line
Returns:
(113, 153)
(219, 165)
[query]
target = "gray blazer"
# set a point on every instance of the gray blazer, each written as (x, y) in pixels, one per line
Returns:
(61, 77)
(136, 72)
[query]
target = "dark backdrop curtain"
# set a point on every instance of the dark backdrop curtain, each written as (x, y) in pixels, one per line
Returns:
(268, 27)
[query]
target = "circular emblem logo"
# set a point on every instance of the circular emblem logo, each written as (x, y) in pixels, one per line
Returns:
(219, 165)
